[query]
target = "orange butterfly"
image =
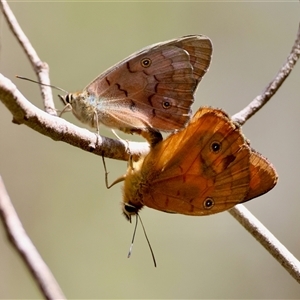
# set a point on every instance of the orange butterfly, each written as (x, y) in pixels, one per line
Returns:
(150, 91)
(206, 168)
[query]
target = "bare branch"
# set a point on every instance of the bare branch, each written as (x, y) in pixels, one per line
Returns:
(240, 212)
(267, 239)
(20, 240)
(60, 130)
(41, 68)
(258, 102)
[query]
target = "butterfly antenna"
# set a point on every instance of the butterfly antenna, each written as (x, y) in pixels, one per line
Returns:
(52, 86)
(134, 232)
(151, 250)
(133, 236)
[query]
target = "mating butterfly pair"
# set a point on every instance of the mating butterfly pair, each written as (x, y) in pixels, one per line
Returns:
(204, 168)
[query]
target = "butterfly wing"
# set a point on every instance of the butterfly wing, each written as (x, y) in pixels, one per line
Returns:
(152, 88)
(201, 170)
(263, 176)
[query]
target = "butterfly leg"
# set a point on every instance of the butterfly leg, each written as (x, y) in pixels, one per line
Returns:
(117, 136)
(96, 121)
(67, 108)
(120, 179)
(120, 139)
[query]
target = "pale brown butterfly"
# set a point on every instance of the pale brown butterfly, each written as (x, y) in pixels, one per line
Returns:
(206, 168)
(150, 91)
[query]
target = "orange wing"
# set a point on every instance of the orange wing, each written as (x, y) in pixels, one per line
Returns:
(206, 168)
(201, 170)
(263, 176)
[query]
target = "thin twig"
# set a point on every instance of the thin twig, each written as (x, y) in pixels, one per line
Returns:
(41, 68)
(20, 240)
(259, 101)
(58, 129)
(240, 212)
(267, 239)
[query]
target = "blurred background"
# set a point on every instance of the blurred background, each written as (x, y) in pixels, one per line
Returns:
(59, 191)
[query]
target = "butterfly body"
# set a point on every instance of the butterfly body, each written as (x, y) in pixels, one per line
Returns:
(151, 89)
(207, 167)
(92, 110)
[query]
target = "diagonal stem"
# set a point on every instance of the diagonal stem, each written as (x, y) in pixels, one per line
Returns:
(20, 240)
(267, 240)
(41, 68)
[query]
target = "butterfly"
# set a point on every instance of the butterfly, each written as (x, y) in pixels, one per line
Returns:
(150, 91)
(206, 168)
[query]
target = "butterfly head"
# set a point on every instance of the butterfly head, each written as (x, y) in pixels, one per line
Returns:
(67, 99)
(129, 211)
(73, 98)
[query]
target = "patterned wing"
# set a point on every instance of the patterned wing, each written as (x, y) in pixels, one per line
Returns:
(201, 170)
(154, 87)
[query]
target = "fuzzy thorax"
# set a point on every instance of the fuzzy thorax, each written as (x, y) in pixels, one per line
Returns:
(132, 190)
